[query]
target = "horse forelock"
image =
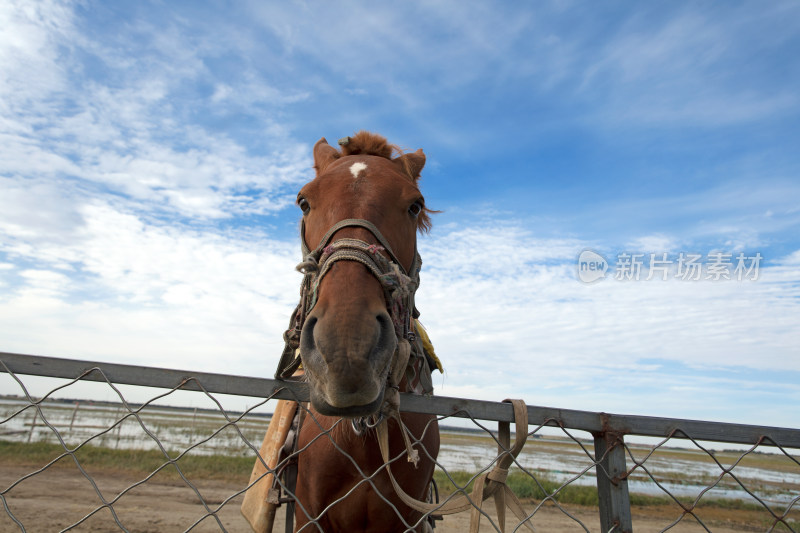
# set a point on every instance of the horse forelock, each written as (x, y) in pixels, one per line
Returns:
(367, 143)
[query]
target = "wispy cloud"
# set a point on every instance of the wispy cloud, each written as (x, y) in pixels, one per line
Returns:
(97, 137)
(693, 68)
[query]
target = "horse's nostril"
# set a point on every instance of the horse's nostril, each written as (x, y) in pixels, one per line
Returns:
(307, 341)
(385, 328)
(310, 323)
(308, 329)
(383, 320)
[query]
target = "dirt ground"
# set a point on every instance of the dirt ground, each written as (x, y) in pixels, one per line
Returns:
(59, 497)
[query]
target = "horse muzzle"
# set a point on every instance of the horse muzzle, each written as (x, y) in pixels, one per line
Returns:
(347, 370)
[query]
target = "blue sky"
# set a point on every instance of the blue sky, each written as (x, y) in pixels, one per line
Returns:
(151, 154)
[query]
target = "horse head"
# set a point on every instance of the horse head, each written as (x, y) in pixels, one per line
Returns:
(361, 214)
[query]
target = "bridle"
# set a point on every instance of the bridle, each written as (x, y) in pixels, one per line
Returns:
(399, 287)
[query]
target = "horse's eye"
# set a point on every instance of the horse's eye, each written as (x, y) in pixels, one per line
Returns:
(302, 203)
(415, 209)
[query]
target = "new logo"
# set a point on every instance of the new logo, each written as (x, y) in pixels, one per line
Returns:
(591, 266)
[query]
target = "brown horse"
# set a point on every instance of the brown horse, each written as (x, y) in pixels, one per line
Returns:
(361, 214)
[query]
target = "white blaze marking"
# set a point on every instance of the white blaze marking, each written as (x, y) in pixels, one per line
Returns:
(356, 168)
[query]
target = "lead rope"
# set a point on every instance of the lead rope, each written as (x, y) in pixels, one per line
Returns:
(392, 398)
(492, 483)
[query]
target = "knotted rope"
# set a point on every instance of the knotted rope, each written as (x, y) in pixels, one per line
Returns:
(491, 484)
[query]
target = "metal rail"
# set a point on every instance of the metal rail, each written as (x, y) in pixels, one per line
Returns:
(590, 421)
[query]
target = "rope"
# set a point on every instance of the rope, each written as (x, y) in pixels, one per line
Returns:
(492, 483)
(399, 285)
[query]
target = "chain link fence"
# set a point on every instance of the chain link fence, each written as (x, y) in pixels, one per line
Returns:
(125, 456)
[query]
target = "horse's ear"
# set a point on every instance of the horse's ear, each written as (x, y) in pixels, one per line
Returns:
(324, 155)
(411, 163)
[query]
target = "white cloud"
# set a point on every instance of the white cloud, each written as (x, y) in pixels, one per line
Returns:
(391, 46)
(252, 91)
(498, 251)
(532, 323)
(97, 168)
(29, 52)
(792, 259)
(729, 214)
(35, 209)
(97, 136)
(656, 243)
(504, 308)
(153, 295)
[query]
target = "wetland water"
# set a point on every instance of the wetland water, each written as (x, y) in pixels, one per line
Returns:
(679, 469)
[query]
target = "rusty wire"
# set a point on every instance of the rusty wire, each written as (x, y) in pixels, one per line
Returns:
(588, 469)
(691, 508)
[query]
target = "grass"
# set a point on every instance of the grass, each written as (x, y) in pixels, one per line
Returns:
(528, 488)
(237, 469)
(523, 486)
(136, 462)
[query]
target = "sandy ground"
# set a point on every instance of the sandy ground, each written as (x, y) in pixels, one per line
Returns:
(60, 497)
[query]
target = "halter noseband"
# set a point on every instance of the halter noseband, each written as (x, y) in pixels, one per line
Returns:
(399, 286)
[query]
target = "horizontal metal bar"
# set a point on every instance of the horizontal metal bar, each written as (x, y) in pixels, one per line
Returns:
(598, 423)
(593, 422)
(153, 377)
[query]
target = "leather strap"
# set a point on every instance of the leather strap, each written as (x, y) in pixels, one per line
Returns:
(492, 483)
(355, 222)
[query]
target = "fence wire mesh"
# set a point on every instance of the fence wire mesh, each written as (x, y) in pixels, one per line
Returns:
(107, 463)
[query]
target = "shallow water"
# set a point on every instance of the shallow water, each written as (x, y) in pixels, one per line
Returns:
(175, 430)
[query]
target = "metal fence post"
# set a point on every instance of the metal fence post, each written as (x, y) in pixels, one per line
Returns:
(612, 483)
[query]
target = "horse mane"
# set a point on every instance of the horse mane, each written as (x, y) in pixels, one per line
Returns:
(368, 143)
